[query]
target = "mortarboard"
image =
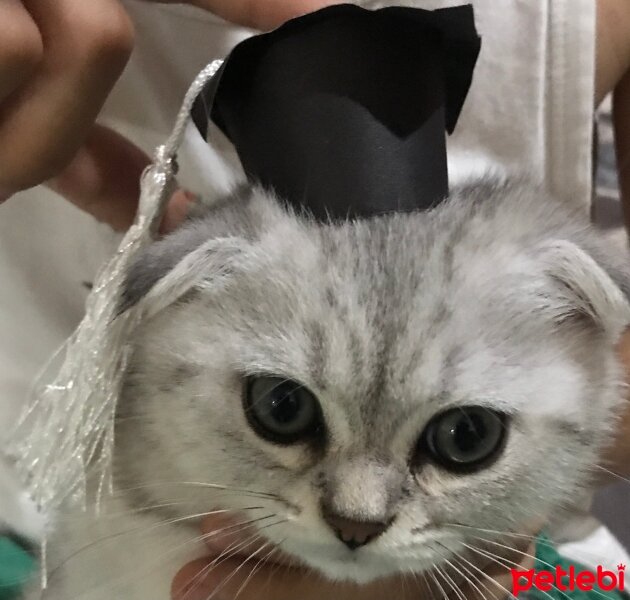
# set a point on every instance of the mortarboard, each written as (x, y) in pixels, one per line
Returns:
(343, 112)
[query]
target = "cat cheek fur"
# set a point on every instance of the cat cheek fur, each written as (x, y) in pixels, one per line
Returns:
(500, 297)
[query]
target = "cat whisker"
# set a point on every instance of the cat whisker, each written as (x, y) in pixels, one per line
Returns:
(227, 491)
(403, 581)
(123, 578)
(277, 566)
(237, 569)
(612, 473)
(118, 534)
(505, 563)
(243, 527)
(201, 515)
(256, 568)
(232, 550)
(527, 555)
(420, 582)
(476, 579)
(171, 551)
(200, 484)
(439, 585)
(497, 532)
(511, 549)
(235, 528)
(114, 515)
(274, 524)
(476, 528)
(449, 580)
(490, 579)
(427, 585)
(466, 577)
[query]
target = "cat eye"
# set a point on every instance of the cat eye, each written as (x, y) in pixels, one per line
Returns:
(281, 410)
(466, 438)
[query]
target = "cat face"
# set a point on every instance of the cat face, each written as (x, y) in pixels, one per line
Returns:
(379, 396)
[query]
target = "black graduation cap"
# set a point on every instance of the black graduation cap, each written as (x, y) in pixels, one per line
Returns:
(343, 111)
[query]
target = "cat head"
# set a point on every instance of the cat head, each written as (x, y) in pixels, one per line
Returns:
(376, 396)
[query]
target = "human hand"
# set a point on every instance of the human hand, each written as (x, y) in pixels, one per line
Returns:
(259, 572)
(58, 63)
(258, 14)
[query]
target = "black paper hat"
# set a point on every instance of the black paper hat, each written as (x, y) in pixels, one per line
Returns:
(343, 112)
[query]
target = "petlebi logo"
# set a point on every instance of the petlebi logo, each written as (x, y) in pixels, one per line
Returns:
(569, 580)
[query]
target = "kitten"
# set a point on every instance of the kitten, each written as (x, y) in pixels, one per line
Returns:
(373, 396)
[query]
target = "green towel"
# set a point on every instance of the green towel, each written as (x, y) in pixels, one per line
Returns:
(16, 568)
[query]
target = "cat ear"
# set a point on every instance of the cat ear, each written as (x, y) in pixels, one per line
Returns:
(170, 268)
(586, 290)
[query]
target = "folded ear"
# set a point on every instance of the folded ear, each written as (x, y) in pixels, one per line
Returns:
(585, 289)
(168, 269)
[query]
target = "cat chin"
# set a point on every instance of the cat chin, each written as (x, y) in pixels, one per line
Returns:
(351, 569)
(358, 566)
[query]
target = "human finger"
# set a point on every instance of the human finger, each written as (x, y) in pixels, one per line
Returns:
(21, 46)
(103, 179)
(260, 14)
(45, 121)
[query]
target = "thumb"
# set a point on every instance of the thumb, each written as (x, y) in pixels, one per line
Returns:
(103, 179)
(261, 14)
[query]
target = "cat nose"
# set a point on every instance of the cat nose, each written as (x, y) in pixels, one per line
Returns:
(352, 533)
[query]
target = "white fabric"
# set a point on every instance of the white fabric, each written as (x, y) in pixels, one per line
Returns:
(599, 547)
(531, 102)
(530, 105)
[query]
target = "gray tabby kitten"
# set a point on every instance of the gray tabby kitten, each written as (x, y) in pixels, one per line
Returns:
(374, 396)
